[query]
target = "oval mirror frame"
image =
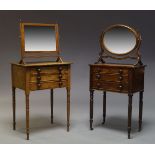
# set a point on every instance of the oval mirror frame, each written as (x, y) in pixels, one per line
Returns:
(120, 55)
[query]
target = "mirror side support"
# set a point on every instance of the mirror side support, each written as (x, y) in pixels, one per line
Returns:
(59, 59)
(21, 61)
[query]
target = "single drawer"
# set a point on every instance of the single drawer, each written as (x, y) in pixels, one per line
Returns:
(113, 77)
(109, 86)
(47, 85)
(48, 77)
(48, 70)
(109, 70)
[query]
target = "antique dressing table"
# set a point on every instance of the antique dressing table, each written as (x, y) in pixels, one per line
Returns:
(40, 41)
(118, 42)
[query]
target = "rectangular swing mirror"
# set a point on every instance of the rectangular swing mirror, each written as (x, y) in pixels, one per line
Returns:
(39, 40)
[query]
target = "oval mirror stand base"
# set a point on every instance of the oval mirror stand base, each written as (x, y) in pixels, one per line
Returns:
(118, 77)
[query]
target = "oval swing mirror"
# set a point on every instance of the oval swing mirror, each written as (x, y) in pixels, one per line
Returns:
(119, 39)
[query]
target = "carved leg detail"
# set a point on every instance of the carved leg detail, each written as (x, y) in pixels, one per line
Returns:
(91, 108)
(129, 114)
(14, 107)
(140, 109)
(68, 108)
(51, 106)
(104, 107)
(27, 115)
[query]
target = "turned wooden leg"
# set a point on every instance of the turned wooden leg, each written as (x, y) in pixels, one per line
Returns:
(51, 106)
(129, 114)
(68, 108)
(104, 107)
(14, 107)
(91, 108)
(27, 115)
(140, 109)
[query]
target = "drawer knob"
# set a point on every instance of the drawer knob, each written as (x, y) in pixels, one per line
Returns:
(60, 68)
(120, 86)
(98, 76)
(121, 78)
(38, 84)
(38, 77)
(38, 69)
(60, 76)
(98, 84)
(60, 84)
(120, 71)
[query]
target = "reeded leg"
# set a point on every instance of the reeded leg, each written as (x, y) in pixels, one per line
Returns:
(91, 108)
(14, 107)
(129, 114)
(140, 109)
(68, 108)
(51, 106)
(104, 107)
(27, 115)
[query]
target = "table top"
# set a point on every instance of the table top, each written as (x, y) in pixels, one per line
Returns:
(30, 64)
(117, 65)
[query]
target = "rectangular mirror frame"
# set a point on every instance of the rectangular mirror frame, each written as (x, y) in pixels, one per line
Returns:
(38, 54)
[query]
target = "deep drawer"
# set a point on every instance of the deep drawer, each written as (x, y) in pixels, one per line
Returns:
(47, 85)
(107, 70)
(109, 86)
(48, 70)
(113, 77)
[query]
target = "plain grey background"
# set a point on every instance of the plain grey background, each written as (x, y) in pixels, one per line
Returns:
(79, 43)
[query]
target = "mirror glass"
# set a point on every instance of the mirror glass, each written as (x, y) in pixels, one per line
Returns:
(39, 38)
(119, 40)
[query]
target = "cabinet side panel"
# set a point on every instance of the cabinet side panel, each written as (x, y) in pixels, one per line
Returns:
(138, 79)
(90, 77)
(18, 76)
(69, 76)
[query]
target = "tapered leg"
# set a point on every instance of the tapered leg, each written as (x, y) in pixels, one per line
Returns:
(27, 115)
(68, 108)
(91, 108)
(104, 107)
(14, 107)
(129, 114)
(51, 106)
(140, 109)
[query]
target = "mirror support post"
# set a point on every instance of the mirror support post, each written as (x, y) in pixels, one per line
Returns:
(59, 59)
(21, 61)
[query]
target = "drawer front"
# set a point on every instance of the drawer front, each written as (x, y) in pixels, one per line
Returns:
(47, 85)
(109, 78)
(49, 77)
(109, 70)
(110, 86)
(116, 77)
